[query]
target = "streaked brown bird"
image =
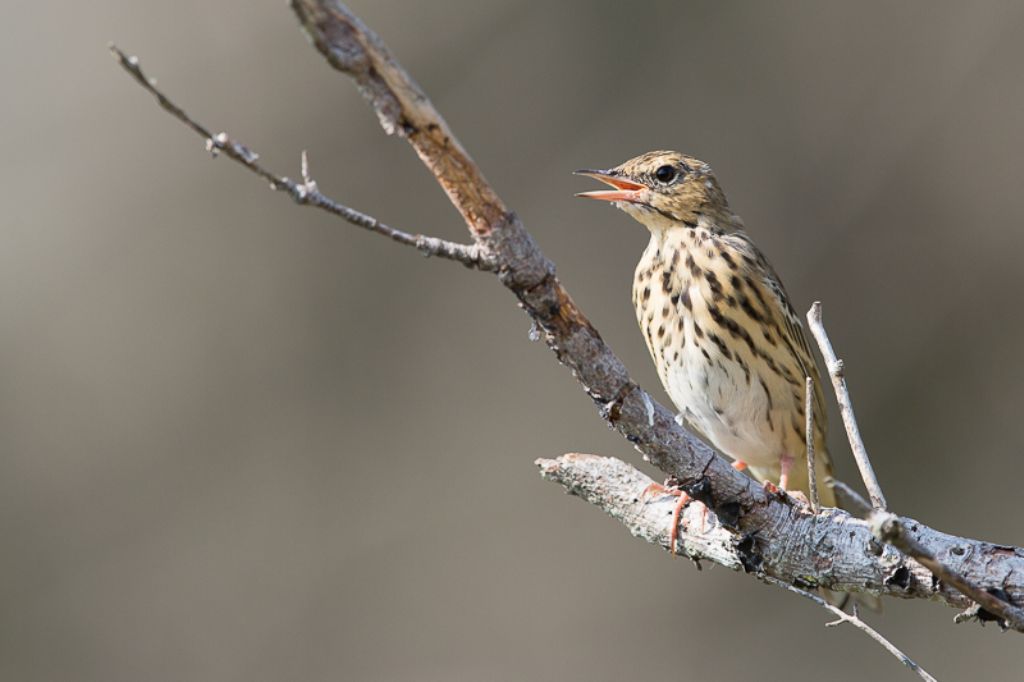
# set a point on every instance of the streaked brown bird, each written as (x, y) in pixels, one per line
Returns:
(729, 348)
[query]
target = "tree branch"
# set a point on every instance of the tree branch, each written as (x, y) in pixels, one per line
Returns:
(990, 604)
(793, 549)
(620, 490)
(888, 527)
(774, 534)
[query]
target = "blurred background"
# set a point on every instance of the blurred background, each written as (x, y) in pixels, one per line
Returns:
(240, 440)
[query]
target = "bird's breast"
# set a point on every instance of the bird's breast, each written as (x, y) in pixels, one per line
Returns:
(717, 361)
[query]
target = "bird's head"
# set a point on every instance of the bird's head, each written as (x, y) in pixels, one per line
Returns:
(664, 190)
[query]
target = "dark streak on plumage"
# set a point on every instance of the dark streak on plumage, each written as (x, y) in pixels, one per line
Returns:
(722, 347)
(692, 265)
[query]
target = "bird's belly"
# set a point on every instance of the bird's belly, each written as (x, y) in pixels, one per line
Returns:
(727, 405)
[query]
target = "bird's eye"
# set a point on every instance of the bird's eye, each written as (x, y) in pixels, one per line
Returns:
(666, 174)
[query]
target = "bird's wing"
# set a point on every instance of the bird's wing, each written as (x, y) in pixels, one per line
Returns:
(782, 315)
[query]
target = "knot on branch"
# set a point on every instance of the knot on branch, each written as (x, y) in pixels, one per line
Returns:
(611, 410)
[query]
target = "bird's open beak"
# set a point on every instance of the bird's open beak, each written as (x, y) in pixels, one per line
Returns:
(625, 190)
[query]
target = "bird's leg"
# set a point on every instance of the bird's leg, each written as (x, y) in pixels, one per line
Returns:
(677, 511)
(785, 464)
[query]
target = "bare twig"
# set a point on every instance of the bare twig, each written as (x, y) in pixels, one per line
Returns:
(812, 473)
(849, 499)
(855, 621)
(306, 192)
(835, 371)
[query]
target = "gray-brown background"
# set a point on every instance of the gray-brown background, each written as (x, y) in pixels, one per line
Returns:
(240, 440)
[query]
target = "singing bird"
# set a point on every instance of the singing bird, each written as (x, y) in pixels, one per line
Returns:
(729, 348)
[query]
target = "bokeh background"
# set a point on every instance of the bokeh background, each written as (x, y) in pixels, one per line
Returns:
(240, 440)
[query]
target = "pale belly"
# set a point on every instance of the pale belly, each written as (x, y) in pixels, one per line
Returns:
(730, 410)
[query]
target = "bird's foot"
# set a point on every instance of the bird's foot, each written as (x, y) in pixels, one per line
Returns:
(799, 496)
(677, 511)
(780, 492)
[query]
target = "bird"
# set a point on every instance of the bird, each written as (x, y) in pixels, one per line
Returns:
(729, 348)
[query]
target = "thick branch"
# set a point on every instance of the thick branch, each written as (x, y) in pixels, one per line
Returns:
(831, 549)
(620, 490)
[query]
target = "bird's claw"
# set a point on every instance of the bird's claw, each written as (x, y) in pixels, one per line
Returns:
(677, 511)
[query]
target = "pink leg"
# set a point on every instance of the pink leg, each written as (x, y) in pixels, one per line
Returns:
(677, 512)
(786, 464)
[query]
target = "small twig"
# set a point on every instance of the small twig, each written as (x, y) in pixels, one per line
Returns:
(835, 371)
(812, 474)
(855, 621)
(849, 499)
(888, 527)
(306, 192)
